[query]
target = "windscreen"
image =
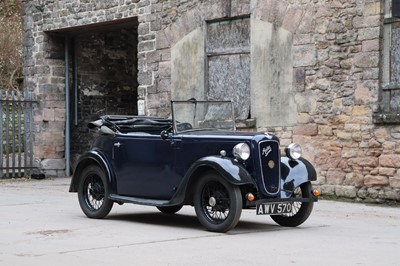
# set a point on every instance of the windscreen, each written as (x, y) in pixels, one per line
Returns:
(203, 115)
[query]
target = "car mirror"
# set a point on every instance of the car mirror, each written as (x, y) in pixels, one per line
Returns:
(165, 134)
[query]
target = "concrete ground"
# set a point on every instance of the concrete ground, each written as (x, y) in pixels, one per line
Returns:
(42, 224)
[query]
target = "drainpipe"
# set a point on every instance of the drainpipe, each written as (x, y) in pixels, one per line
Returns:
(67, 113)
(75, 84)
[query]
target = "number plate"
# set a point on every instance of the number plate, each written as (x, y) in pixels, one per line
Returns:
(274, 208)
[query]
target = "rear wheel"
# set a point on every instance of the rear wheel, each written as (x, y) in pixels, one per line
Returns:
(300, 210)
(218, 204)
(93, 193)
(170, 209)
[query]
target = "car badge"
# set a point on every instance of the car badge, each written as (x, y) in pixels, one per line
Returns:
(267, 135)
(271, 164)
(266, 151)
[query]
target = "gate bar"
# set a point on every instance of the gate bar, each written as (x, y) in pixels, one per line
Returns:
(1, 135)
(7, 136)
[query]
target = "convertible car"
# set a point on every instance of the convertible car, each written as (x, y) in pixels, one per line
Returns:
(195, 158)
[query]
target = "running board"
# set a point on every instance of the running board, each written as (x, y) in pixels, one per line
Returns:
(141, 201)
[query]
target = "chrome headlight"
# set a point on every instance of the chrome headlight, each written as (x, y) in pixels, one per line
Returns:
(241, 151)
(293, 151)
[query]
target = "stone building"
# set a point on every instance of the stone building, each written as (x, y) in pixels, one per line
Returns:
(323, 73)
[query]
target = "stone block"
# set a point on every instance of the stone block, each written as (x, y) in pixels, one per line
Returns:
(392, 195)
(361, 110)
(349, 153)
(347, 63)
(145, 78)
(366, 59)
(162, 41)
(346, 191)
(366, 21)
(304, 55)
(292, 18)
(325, 130)
(303, 118)
(327, 190)
(306, 101)
(371, 181)
(372, 8)
(306, 130)
(390, 160)
(372, 143)
(165, 69)
(343, 135)
(158, 100)
(48, 114)
(362, 95)
(368, 33)
(143, 29)
(370, 45)
(394, 181)
(335, 177)
(381, 133)
(368, 162)
(52, 164)
(299, 79)
(387, 171)
(146, 46)
(164, 85)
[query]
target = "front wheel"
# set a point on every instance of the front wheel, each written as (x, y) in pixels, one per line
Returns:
(300, 210)
(93, 193)
(218, 204)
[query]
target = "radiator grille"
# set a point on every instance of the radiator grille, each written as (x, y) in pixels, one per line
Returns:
(270, 165)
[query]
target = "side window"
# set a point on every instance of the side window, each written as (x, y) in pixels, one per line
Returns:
(228, 63)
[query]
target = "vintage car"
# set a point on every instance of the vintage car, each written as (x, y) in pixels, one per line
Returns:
(195, 158)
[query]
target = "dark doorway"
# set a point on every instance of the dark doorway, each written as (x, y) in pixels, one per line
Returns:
(105, 72)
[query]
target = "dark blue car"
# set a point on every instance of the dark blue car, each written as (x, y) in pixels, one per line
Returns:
(195, 158)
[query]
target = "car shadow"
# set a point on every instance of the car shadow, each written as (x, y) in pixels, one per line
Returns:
(190, 221)
(157, 218)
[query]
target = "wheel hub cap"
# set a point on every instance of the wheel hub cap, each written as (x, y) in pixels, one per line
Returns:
(212, 201)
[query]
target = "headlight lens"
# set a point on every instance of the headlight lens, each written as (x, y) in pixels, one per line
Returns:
(242, 151)
(293, 151)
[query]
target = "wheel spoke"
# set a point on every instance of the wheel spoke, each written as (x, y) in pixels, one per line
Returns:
(220, 211)
(295, 205)
(94, 192)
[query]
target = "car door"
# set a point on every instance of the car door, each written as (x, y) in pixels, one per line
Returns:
(146, 166)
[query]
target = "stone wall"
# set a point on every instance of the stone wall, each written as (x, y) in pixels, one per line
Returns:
(335, 73)
(336, 82)
(45, 22)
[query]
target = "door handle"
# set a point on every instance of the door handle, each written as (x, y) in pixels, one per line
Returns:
(118, 144)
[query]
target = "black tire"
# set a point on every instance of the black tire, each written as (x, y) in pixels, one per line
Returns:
(170, 209)
(218, 204)
(93, 193)
(300, 210)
